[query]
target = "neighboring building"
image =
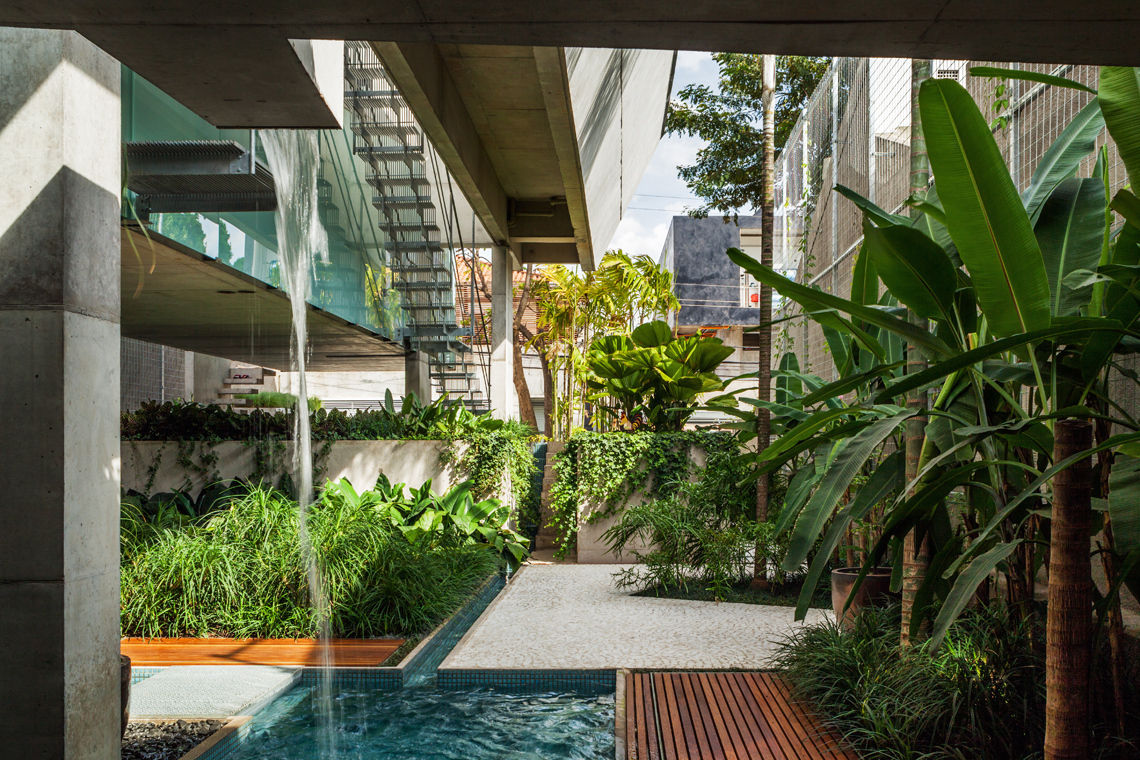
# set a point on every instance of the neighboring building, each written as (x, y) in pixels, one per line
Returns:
(717, 297)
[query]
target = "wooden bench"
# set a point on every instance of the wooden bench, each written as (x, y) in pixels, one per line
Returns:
(303, 652)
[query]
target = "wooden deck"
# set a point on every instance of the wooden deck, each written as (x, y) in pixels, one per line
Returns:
(304, 652)
(721, 716)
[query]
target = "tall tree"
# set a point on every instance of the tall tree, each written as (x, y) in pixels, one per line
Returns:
(916, 551)
(764, 342)
(728, 173)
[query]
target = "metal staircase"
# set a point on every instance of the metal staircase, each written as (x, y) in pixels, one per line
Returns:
(387, 137)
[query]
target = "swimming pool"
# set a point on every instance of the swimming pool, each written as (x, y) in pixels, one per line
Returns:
(426, 723)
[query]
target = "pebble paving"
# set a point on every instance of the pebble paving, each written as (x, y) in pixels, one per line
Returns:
(573, 617)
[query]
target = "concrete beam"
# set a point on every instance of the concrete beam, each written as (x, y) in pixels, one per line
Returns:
(555, 83)
(1099, 31)
(422, 76)
(240, 76)
(59, 334)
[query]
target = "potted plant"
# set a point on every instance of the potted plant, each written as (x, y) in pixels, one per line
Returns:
(874, 590)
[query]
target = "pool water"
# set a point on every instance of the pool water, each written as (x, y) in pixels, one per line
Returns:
(426, 723)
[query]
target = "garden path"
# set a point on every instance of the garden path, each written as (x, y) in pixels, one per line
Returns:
(566, 616)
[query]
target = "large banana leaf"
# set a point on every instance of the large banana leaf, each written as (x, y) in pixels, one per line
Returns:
(1121, 306)
(1124, 509)
(913, 267)
(984, 213)
(1127, 205)
(1063, 157)
(1028, 76)
(968, 581)
(1119, 98)
(848, 462)
(888, 477)
(788, 386)
(816, 300)
(1071, 234)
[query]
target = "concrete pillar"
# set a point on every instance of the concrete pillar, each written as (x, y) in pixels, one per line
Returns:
(417, 375)
(59, 381)
(504, 404)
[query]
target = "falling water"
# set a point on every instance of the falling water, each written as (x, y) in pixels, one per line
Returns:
(293, 157)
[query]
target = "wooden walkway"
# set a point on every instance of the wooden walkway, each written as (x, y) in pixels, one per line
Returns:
(721, 716)
(304, 652)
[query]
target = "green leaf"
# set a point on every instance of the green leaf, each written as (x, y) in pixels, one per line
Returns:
(1028, 76)
(1119, 98)
(1071, 233)
(788, 387)
(869, 209)
(651, 334)
(888, 476)
(1124, 509)
(968, 581)
(1080, 327)
(1127, 205)
(913, 267)
(864, 281)
(837, 479)
(1063, 158)
(984, 213)
(815, 299)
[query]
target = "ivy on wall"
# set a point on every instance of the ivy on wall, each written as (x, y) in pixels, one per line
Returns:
(607, 469)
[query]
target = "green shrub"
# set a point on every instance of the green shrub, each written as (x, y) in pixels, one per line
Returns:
(239, 571)
(980, 695)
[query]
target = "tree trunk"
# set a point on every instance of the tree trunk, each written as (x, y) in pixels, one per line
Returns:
(547, 395)
(916, 555)
(526, 408)
(764, 336)
(1068, 624)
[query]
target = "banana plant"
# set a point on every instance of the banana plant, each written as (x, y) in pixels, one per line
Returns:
(1030, 298)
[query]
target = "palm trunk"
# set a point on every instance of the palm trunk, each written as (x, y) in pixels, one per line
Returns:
(547, 395)
(1068, 625)
(916, 554)
(764, 337)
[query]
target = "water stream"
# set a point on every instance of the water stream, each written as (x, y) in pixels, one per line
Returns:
(294, 159)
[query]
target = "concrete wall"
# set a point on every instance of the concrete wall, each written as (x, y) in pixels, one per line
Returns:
(619, 99)
(410, 462)
(592, 548)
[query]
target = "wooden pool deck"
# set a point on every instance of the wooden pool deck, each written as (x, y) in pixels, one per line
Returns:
(722, 716)
(357, 653)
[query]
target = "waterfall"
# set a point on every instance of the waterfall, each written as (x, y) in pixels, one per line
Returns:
(294, 160)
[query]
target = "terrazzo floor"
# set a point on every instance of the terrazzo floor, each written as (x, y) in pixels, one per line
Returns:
(572, 616)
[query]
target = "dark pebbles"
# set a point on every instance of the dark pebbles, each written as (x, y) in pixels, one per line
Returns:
(168, 740)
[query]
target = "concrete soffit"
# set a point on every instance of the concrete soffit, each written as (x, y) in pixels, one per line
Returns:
(442, 87)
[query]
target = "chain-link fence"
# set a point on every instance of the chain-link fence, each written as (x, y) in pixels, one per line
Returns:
(855, 131)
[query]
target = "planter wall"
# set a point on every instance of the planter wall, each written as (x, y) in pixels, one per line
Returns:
(592, 548)
(361, 462)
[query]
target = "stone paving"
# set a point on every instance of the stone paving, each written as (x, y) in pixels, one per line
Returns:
(573, 617)
(209, 691)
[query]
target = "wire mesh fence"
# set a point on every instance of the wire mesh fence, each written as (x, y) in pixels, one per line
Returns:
(855, 131)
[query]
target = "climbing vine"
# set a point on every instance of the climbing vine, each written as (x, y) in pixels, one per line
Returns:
(605, 470)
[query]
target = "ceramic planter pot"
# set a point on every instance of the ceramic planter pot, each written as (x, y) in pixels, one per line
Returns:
(874, 590)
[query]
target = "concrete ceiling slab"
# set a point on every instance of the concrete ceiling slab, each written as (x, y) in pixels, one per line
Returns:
(178, 297)
(1099, 31)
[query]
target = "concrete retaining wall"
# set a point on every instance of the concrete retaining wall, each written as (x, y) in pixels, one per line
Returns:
(361, 462)
(592, 548)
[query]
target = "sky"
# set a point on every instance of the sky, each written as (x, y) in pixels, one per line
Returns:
(661, 195)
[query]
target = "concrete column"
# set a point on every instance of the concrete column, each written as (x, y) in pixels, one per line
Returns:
(417, 376)
(59, 381)
(504, 404)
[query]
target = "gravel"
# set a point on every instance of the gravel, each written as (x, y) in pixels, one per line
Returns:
(168, 740)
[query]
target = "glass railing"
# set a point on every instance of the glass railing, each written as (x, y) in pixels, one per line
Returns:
(355, 283)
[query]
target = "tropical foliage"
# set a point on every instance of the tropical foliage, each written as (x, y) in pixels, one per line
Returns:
(1021, 306)
(574, 308)
(651, 375)
(392, 562)
(188, 421)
